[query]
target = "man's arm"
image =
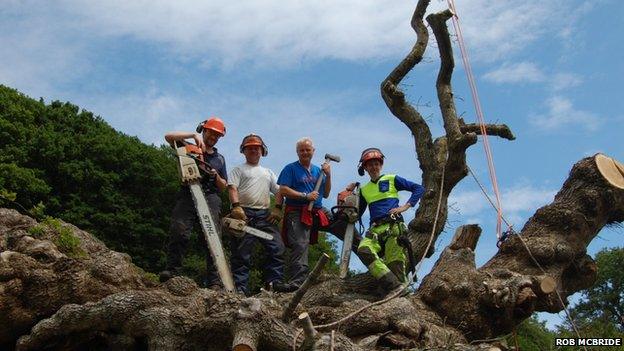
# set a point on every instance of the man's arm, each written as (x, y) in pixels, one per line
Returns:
(233, 193)
(416, 189)
(220, 183)
(170, 137)
(237, 211)
(293, 194)
(221, 179)
(275, 189)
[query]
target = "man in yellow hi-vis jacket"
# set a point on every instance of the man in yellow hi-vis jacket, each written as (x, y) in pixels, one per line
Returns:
(380, 250)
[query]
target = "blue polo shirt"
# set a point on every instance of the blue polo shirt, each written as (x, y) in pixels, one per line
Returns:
(298, 178)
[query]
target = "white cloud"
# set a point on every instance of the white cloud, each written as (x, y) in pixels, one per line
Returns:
(143, 114)
(561, 81)
(495, 29)
(516, 73)
(273, 32)
(269, 31)
(518, 203)
(562, 113)
(529, 72)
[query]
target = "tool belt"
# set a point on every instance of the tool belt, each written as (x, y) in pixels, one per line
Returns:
(391, 218)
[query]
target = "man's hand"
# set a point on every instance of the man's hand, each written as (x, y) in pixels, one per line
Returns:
(326, 168)
(398, 210)
(276, 215)
(199, 141)
(312, 196)
(238, 213)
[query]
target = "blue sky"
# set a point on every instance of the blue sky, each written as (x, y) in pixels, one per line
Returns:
(551, 70)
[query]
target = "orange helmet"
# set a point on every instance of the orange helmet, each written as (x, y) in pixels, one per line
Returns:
(372, 153)
(253, 139)
(213, 123)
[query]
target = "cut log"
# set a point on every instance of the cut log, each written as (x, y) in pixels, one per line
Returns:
(466, 236)
(548, 285)
(610, 170)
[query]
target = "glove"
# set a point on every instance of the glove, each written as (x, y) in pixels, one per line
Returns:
(276, 215)
(238, 213)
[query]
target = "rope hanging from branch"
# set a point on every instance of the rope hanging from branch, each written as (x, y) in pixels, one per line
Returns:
(479, 112)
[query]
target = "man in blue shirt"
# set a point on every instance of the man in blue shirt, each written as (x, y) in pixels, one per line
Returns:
(297, 181)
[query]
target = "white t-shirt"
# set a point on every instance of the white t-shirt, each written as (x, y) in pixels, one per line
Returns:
(254, 184)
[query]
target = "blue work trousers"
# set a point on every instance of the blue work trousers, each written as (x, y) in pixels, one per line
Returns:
(243, 249)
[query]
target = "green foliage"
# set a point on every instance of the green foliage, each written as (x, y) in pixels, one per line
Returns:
(605, 299)
(325, 246)
(151, 277)
(600, 310)
(6, 195)
(532, 335)
(38, 211)
(83, 171)
(194, 266)
(69, 244)
(36, 231)
(65, 240)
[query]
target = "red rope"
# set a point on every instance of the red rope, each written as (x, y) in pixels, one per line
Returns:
(479, 111)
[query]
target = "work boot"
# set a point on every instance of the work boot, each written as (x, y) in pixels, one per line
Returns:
(168, 274)
(398, 268)
(284, 287)
(389, 281)
(215, 287)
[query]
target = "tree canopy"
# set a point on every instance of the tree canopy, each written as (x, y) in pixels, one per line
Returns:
(87, 173)
(600, 311)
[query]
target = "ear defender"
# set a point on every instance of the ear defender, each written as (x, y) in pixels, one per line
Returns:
(200, 126)
(361, 170)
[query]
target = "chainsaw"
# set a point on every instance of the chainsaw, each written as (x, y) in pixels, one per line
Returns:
(238, 228)
(349, 203)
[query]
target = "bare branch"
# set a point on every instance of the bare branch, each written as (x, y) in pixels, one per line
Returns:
(395, 98)
(304, 287)
(499, 130)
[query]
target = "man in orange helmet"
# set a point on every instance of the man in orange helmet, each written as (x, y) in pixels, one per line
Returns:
(184, 214)
(249, 187)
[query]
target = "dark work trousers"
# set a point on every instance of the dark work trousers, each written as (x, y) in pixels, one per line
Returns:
(298, 237)
(274, 249)
(183, 218)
